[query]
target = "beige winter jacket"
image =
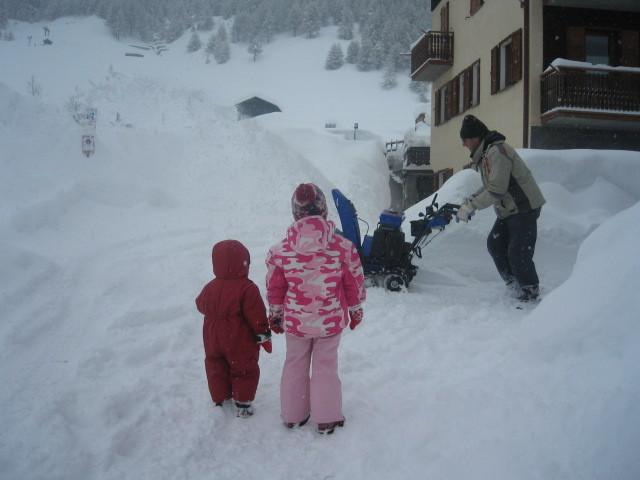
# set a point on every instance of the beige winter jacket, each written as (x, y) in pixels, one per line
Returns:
(507, 183)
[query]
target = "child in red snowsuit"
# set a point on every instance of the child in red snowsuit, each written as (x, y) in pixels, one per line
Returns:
(235, 325)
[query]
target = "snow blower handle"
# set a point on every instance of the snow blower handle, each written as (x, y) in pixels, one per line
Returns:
(444, 215)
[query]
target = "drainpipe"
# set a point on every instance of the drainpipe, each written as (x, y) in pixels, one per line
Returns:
(525, 60)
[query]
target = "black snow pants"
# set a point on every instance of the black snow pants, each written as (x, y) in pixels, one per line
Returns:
(511, 243)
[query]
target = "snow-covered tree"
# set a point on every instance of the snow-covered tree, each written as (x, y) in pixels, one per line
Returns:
(294, 20)
(33, 87)
(353, 52)
(366, 60)
(389, 79)
(335, 58)
(222, 50)
(255, 48)
(194, 44)
(206, 25)
(3, 17)
(311, 21)
(211, 46)
(345, 27)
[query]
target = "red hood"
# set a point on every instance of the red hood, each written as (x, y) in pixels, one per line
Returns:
(230, 260)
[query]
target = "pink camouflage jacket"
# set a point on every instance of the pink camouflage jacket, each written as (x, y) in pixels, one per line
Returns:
(316, 275)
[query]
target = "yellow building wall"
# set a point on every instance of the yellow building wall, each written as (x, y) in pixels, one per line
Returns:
(474, 37)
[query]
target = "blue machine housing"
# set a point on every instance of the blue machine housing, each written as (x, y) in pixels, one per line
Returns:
(386, 256)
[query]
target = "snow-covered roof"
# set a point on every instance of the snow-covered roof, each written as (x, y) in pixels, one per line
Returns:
(254, 106)
(564, 63)
(595, 110)
(418, 137)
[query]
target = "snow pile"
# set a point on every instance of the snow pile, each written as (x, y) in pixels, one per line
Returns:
(101, 259)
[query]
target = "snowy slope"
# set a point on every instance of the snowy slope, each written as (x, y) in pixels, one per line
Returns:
(101, 259)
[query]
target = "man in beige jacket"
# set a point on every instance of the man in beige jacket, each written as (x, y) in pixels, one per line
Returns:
(508, 186)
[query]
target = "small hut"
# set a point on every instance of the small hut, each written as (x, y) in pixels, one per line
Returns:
(254, 106)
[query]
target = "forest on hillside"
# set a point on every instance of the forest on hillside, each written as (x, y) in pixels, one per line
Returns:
(380, 30)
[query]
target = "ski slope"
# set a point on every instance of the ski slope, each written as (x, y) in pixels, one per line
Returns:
(101, 259)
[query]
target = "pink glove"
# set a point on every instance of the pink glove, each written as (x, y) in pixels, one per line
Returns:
(356, 315)
(275, 318)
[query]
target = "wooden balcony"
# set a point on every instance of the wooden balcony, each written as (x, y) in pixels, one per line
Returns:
(598, 97)
(431, 56)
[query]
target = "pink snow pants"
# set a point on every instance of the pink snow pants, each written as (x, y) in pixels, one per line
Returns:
(319, 395)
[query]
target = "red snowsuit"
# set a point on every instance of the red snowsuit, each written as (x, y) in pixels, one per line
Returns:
(234, 314)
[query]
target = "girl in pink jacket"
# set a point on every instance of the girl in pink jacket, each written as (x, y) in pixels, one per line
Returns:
(315, 287)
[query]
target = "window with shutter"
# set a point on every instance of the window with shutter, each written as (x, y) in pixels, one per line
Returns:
(506, 62)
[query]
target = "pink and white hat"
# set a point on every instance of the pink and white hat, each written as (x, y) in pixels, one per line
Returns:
(308, 200)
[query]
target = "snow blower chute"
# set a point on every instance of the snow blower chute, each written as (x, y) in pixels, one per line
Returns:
(386, 256)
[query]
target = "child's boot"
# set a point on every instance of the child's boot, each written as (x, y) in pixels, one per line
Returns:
(328, 428)
(244, 410)
(297, 424)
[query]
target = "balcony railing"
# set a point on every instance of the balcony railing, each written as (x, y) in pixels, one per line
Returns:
(431, 56)
(585, 91)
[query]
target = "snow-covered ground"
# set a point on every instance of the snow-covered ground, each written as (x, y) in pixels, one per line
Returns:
(101, 258)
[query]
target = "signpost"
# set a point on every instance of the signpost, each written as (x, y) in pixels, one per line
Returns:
(87, 120)
(355, 129)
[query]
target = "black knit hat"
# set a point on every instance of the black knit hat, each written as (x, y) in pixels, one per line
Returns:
(472, 128)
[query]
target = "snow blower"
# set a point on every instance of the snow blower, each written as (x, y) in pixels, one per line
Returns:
(385, 255)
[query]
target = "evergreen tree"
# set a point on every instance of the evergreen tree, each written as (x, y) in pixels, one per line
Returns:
(3, 17)
(311, 21)
(335, 58)
(378, 56)
(222, 50)
(345, 28)
(210, 49)
(294, 20)
(255, 48)
(366, 61)
(353, 52)
(194, 44)
(206, 25)
(389, 77)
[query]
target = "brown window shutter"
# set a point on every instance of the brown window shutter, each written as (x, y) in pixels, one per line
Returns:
(516, 57)
(455, 91)
(468, 88)
(447, 101)
(444, 18)
(630, 48)
(495, 69)
(436, 107)
(478, 89)
(575, 43)
(475, 6)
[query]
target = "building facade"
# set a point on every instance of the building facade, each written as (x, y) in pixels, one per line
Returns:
(546, 73)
